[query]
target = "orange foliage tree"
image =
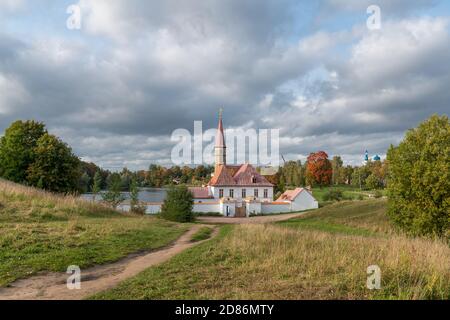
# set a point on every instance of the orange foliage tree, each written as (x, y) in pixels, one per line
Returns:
(318, 169)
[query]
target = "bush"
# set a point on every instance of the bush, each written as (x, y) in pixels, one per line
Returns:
(378, 194)
(419, 179)
(113, 196)
(333, 195)
(178, 205)
(139, 209)
(360, 197)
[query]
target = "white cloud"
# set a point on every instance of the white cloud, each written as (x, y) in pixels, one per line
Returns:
(11, 5)
(12, 95)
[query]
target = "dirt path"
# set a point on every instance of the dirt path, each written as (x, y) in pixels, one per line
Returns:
(52, 286)
(251, 220)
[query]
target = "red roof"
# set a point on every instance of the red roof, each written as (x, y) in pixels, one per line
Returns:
(290, 195)
(222, 177)
(200, 193)
(243, 175)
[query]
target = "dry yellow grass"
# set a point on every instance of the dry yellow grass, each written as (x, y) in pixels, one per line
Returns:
(285, 263)
(21, 202)
(277, 262)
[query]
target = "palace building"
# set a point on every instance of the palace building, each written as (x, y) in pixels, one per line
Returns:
(240, 191)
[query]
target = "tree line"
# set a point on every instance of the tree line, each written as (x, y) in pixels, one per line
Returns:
(319, 171)
(155, 177)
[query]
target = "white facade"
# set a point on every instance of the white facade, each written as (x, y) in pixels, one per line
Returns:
(304, 201)
(231, 207)
(264, 194)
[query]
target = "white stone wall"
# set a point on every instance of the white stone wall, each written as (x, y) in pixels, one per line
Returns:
(206, 200)
(268, 208)
(304, 201)
(152, 208)
(206, 207)
(253, 208)
(231, 209)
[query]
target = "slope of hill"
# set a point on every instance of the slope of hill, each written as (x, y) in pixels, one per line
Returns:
(40, 231)
(366, 217)
(323, 256)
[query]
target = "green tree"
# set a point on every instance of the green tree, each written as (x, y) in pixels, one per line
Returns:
(419, 179)
(373, 182)
(336, 165)
(17, 149)
(97, 186)
(135, 205)
(178, 205)
(84, 183)
(360, 175)
(114, 196)
(55, 167)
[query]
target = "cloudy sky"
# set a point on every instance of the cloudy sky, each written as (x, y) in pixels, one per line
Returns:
(116, 89)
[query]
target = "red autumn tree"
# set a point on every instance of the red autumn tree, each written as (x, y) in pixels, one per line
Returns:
(318, 169)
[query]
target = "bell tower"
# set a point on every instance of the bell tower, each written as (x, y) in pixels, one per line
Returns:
(220, 149)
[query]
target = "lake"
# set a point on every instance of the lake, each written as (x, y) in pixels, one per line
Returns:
(145, 195)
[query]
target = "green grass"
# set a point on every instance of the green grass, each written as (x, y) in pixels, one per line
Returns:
(307, 260)
(43, 232)
(366, 218)
(178, 277)
(313, 224)
(202, 234)
(349, 193)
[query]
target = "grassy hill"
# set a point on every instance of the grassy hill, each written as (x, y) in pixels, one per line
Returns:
(40, 231)
(324, 255)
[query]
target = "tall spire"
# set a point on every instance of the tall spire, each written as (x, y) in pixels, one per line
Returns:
(220, 147)
(220, 137)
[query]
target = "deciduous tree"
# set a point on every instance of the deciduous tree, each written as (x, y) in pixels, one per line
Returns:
(55, 167)
(17, 149)
(319, 171)
(419, 179)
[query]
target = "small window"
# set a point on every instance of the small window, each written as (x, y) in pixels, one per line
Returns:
(266, 193)
(220, 193)
(231, 193)
(256, 193)
(244, 193)
(253, 179)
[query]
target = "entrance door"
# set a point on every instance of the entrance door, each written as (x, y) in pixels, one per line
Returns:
(241, 212)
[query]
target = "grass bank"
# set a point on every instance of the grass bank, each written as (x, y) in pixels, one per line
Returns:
(40, 231)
